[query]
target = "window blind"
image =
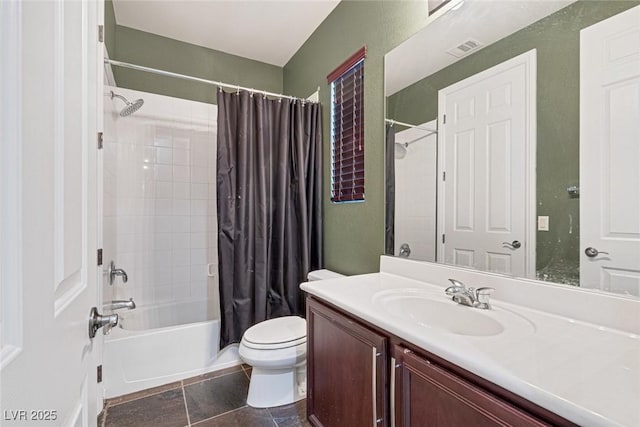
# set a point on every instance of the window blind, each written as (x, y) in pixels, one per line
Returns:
(347, 130)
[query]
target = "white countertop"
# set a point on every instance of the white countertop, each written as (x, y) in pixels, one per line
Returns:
(586, 373)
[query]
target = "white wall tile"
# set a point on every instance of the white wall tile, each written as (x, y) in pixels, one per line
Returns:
(181, 292)
(199, 191)
(181, 207)
(198, 272)
(198, 256)
(164, 155)
(181, 274)
(164, 207)
(162, 140)
(181, 240)
(198, 224)
(198, 207)
(181, 173)
(181, 190)
(163, 172)
(198, 240)
(181, 143)
(180, 157)
(199, 175)
(181, 257)
(157, 172)
(164, 190)
(181, 223)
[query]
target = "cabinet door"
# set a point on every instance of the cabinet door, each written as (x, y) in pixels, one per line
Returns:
(346, 368)
(425, 394)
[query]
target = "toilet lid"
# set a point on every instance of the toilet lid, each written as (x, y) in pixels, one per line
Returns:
(276, 331)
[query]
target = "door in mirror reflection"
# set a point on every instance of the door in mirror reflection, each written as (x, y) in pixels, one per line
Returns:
(610, 154)
(485, 138)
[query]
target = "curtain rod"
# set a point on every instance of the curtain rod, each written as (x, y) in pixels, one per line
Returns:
(198, 79)
(395, 122)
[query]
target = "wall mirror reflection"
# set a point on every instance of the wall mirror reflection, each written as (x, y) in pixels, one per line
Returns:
(513, 141)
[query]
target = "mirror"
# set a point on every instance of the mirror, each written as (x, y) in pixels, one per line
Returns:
(513, 141)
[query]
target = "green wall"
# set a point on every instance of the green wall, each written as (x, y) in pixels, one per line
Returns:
(110, 28)
(354, 232)
(557, 40)
(150, 50)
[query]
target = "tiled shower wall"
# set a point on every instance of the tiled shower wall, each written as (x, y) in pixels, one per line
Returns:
(415, 207)
(159, 199)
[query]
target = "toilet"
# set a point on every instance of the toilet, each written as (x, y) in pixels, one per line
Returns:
(276, 349)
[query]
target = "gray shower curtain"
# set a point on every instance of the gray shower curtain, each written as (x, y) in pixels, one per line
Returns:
(390, 190)
(269, 194)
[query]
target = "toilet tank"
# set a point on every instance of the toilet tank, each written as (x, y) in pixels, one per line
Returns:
(323, 275)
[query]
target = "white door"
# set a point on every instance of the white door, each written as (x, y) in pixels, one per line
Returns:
(49, 83)
(487, 157)
(610, 154)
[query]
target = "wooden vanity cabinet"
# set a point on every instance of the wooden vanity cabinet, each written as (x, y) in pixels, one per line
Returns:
(425, 394)
(346, 371)
(360, 375)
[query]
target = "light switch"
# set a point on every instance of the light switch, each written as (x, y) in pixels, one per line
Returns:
(543, 223)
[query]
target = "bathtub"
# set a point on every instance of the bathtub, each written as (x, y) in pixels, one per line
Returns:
(156, 345)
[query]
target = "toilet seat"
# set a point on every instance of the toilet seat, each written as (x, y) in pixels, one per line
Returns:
(275, 334)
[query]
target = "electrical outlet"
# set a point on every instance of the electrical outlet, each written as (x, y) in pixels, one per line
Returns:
(543, 223)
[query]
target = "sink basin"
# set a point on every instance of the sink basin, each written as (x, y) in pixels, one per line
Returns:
(434, 311)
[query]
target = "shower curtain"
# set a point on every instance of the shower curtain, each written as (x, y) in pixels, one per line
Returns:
(269, 193)
(390, 190)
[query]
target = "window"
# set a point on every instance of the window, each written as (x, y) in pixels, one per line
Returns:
(347, 129)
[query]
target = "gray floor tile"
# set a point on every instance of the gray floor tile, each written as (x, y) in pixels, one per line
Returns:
(294, 415)
(160, 410)
(213, 397)
(142, 393)
(210, 375)
(244, 417)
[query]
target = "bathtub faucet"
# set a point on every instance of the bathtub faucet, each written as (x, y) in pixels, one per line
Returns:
(118, 305)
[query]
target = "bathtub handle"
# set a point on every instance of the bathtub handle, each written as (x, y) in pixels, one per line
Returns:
(113, 272)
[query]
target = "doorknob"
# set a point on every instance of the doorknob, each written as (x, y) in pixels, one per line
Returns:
(593, 252)
(513, 245)
(97, 321)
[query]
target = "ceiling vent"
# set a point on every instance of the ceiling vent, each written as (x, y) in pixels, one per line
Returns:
(465, 48)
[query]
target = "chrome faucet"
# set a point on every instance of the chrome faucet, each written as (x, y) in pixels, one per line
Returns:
(478, 298)
(113, 272)
(120, 304)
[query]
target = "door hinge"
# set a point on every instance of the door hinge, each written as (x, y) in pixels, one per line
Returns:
(444, 175)
(100, 141)
(99, 373)
(443, 239)
(101, 33)
(444, 119)
(99, 256)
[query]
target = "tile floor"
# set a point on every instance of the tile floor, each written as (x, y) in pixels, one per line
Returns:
(210, 400)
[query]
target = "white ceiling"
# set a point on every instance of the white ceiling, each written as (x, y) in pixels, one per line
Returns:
(264, 30)
(486, 21)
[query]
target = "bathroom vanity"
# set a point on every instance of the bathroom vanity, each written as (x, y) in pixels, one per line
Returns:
(386, 349)
(353, 367)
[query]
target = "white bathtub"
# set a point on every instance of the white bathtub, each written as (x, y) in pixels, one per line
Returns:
(158, 345)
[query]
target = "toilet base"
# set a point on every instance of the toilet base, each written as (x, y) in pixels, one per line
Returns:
(277, 387)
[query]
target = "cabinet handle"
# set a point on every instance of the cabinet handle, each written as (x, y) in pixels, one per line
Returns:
(374, 369)
(392, 397)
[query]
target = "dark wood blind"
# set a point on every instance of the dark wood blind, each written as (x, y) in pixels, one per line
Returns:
(347, 121)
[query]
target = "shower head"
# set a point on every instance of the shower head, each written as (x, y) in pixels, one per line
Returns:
(400, 150)
(131, 107)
